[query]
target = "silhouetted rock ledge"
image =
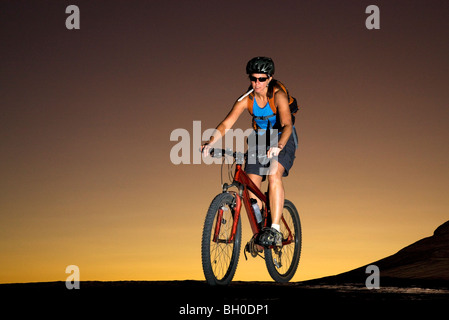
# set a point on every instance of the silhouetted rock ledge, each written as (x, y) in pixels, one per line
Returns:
(424, 263)
(411, 280)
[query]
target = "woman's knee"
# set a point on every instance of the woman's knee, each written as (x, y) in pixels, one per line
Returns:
(276, 175)
(274, 178)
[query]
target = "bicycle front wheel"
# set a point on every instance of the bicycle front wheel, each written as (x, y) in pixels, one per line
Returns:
(282, 263)
(220, 253)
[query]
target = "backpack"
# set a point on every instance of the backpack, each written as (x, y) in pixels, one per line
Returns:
(293, 104)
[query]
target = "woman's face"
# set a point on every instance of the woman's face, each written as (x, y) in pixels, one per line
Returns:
(258, 83)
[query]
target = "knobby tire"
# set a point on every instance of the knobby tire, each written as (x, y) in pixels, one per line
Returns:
(220, 259)
(291, 252)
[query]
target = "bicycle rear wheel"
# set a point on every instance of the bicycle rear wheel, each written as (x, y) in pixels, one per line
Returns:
(219, 254)
(283, 267)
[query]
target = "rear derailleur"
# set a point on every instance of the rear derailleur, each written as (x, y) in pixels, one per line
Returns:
(278, 254)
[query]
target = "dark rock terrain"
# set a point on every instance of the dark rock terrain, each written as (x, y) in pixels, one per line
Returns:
(423, 263)
(413, 281)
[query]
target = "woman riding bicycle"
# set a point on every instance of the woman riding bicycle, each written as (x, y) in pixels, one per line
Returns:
(264, 88)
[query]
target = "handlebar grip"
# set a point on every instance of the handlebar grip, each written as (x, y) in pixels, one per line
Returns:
(216, 153)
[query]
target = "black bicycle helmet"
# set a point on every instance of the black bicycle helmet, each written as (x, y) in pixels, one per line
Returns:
(260, 65)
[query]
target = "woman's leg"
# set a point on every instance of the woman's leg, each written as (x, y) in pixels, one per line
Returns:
(276, 193)
(258, 182)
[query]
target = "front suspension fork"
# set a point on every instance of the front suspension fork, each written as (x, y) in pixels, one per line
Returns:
(236, 215)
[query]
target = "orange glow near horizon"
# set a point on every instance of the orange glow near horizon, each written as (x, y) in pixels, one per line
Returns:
(86, 117)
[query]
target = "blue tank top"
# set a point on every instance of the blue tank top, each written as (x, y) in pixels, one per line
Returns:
(264, 112)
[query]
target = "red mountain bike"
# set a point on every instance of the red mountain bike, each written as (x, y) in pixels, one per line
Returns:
(222, 231)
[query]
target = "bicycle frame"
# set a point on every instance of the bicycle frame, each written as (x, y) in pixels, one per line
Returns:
(244, 183)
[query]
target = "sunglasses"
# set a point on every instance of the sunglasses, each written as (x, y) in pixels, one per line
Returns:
(261, 79)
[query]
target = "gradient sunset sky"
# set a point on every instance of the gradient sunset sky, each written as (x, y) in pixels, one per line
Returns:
(86, 117)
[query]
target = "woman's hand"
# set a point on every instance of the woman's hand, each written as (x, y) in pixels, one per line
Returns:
(205, 149)
(274, 151)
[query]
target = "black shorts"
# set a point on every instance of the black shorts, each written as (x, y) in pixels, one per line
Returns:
(286, 158)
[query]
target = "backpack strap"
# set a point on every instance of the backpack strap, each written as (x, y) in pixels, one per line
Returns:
(250, 103)
(271, 102)
(282, 87)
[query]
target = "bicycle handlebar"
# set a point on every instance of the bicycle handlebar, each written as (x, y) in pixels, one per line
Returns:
(217, 153)
(238, 156)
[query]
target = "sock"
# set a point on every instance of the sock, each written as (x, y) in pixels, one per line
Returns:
(276, 226)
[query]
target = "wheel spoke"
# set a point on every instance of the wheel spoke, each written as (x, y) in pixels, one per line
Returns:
(221, 252)
(289, 253)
